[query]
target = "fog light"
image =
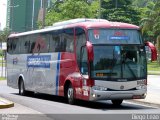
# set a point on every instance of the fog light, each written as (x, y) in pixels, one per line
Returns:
(145, 95)
(94, 95)
(141, 87)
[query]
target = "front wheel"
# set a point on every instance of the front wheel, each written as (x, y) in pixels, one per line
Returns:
(70, 95)
(117, 102)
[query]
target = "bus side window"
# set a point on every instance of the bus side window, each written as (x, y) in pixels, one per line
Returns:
(80, 41)
(15, 46)
(54, 41)
(62, 41)
(57, 44)
(68, 39)
(32, 47)
(63, 44)
(39, 45)
(43, 42)
(84, 61)
(25, 45)
(9, 47)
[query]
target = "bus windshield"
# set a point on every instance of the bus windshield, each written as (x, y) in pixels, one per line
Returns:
(114, 36)
(116, 62)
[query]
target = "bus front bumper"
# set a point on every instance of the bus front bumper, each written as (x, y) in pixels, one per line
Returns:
(96, 95)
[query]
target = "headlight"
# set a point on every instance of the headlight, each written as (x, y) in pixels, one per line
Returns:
(141, 82)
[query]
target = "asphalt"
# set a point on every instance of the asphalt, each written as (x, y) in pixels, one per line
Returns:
(152, 98)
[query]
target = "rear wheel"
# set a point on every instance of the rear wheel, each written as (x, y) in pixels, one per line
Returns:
(21, 88)
(117, 102)
(70, 95)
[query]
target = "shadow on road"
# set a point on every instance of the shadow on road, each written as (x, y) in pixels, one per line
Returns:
(103, 105)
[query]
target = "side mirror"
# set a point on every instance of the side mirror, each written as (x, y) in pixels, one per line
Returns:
(89, 47)
(153, 51)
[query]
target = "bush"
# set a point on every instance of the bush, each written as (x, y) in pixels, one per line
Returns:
(1, 52)
(158, 48)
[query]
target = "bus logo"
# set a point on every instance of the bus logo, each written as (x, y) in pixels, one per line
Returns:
(96, 34)
(41, 61)
(121, 87)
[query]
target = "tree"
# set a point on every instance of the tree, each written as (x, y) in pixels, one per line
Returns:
(4, 35)
(142, 3)
(69, 9)
(158, 48)
(121, 11)
(151, 22)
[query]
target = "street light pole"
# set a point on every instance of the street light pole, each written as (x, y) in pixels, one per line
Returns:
(44, 13)
(33, 14)
(100, 2)
(116, 4)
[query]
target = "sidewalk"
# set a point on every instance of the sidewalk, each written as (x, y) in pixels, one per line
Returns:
(5, 103)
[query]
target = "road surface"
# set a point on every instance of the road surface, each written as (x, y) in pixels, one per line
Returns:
(52, 107)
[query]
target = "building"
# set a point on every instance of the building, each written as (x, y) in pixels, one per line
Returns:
(22, 15)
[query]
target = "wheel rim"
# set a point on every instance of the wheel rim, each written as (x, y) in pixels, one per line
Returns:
(70, 94)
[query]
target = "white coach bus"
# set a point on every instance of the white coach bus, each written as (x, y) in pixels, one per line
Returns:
(87, 59)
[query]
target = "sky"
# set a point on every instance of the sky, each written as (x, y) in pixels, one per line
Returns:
(3, 13)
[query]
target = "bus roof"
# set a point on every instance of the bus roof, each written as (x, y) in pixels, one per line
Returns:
(81, 22)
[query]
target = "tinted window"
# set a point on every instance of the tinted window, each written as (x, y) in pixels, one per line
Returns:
(40, 43)
(9, 47)
(68, 40)
(25, 44)
(62, 41)
(80, 41)
(53, 41)
(37, 43)
(13, 46)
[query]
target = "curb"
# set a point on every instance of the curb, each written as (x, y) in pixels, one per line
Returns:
(145, 103)
(5, 103)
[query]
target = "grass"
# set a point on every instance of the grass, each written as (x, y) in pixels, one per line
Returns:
(2, 78)
(1, 61)
(153, 68)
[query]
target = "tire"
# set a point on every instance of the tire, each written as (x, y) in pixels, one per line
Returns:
(21, 88)
(117, 102)
(70, 95)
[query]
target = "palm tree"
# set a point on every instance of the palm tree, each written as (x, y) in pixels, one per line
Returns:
(151, 23)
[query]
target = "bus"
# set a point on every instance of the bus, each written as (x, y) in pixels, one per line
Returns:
(86, 59)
